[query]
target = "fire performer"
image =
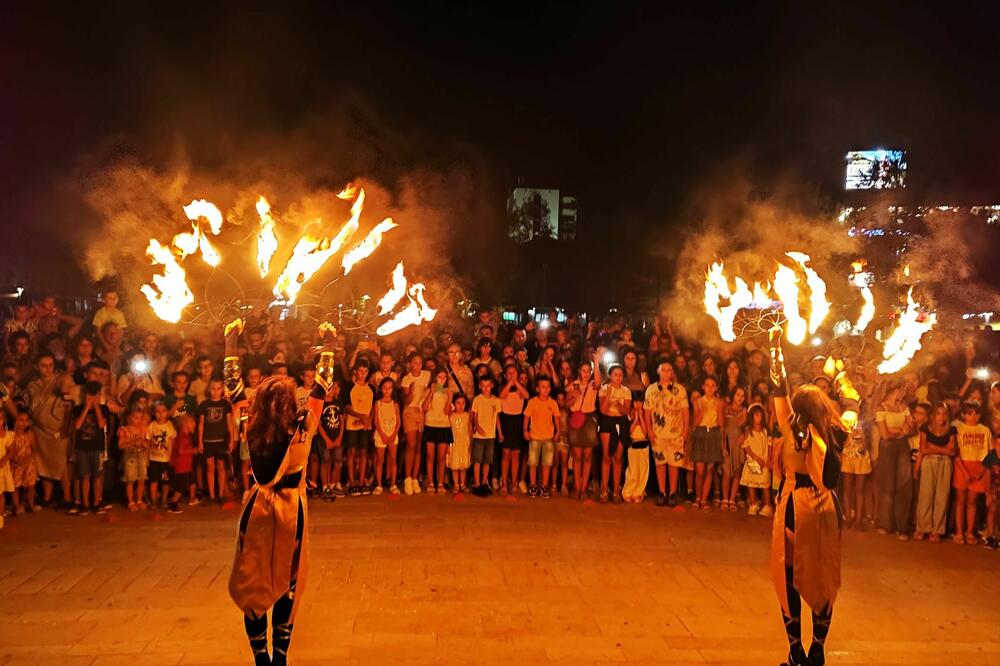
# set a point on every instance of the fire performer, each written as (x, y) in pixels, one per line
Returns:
(806, 535)
(271, 558)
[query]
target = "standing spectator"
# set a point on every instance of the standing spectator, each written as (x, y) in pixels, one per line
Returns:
(23, 467)
(49, 413)
(459, 374)
(637, 472)
(414, 384)
(109, 312)
(582, 398)
(484, 357)
(161, 435)
(21, 322)
(756, 475)
(90, 422)
(970, 478)
(134, 445)
(541, 427)
(437, 429)
(387, 424)
(513, 396)
(331, 438)
(894, 475)
(706, 448)
(199, 385)
(735, 421)
(216, 438)
(485, 429)
(614, 425)
(937, 448)
(359, 405)
(461, 446)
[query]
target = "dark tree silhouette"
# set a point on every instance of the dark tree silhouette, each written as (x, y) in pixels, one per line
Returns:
(529, 219)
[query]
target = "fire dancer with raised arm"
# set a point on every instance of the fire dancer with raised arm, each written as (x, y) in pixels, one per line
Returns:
(271, 558)
(806, 535)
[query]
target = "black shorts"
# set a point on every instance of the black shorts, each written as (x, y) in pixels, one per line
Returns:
(182, 481)
(618, 429)
(355, 440)
(216, 450)
(513, 431)
(158, 472)
(438, 435)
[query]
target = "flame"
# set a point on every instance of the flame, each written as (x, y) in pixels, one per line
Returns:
(860, 278)
(906, 270)
(208, 210)
(396, 292)
(786, 285)
(312, 252)
(415, 312)
(370, 243)
(169, 294)
(267, 240)
(716, 290)
(819, 307)
(187, 241)
(904, 341)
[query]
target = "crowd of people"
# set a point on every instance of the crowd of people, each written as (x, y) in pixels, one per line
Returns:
(99, 413)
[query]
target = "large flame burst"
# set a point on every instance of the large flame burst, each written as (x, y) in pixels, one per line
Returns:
(169, 293)
(726, 305)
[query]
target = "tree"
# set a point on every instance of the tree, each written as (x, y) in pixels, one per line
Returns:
(529, 218)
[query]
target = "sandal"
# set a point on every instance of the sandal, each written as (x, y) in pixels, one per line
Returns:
(934, 538)
(959, 539)
(971, 540)
(732, 507)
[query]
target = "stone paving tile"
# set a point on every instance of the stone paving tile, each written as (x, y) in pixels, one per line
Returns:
(427, 580)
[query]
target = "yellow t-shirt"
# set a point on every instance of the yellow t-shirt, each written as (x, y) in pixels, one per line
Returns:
(541, 417)
(974, 442)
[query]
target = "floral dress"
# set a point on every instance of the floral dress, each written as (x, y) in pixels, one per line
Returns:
(23, 462)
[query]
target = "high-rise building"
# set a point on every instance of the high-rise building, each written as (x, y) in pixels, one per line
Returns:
(534, 213)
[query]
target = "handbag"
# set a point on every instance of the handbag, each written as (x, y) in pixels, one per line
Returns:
(578, 418)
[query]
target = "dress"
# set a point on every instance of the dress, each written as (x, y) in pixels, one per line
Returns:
(734, 423)
(23, 465)
(857, 459)
(755, 475)
(272, 547)
(48, 414)
(460, 454)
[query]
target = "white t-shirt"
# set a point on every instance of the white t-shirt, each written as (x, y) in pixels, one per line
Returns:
(667, 405)
(419, 384)
(616, 398)
(486, 411)
(161, 440)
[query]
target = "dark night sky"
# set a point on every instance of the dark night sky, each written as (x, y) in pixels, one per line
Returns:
(632, 106)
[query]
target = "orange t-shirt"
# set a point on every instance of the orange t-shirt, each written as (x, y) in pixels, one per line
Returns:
(542, 416)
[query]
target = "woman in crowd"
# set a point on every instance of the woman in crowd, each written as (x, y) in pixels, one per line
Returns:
(937, 449)
(894, 474)
(582, 421)
(734, 424)
(614, 428)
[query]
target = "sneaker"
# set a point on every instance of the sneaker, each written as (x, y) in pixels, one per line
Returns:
(338, 490)
(903, 536)
(603, 499)
(546, 493)
(35, 509)
(991, 543)
(377, 491)
(407, 486)
(133, 507)
(661, 500)
(523, 487)
(84, 511)
(354, 491)
(753, 510)
(394, 490)
(672, 500)
(173, 508)
(533, 491)
(367, 489)
(143, 506)
(766, 512)
(617, 498)
(481, 490)
(440, 489)
(194, 501)
(73, 510)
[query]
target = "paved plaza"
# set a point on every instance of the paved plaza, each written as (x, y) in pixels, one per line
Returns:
(432, 580)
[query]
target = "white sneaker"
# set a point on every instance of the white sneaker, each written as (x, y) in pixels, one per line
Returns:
(752, 510)
(523, 487)
(378, 490)
(767, 511)
(416, 486)
(408, 486)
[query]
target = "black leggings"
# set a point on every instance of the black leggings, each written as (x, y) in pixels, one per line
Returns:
(281, 612)
(793, 620)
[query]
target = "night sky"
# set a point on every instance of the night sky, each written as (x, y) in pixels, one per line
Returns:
(631, 106)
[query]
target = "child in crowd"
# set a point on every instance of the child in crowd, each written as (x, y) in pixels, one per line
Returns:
(992, 463)
(541, 427)
(562, 444)
(22, 465)
(414, 385)
(437, 429)
(357, 436)
(387, 422)
(216, 438)
(970, 476)
(328, 450)
(735, 416)
(460, 452)
(6, 475)
(161, 434)
(182, 461)
(485, 430)
(756, 474)
(706, 451)
(637, 472)
(134, 446)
